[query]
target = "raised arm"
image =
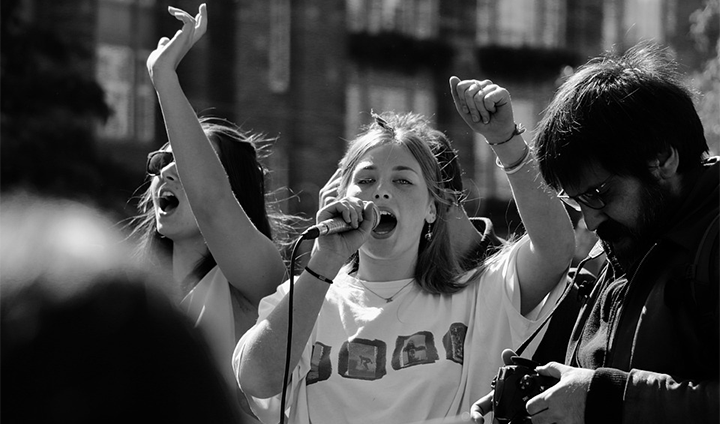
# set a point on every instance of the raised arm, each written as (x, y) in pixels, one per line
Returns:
(249, 260)
(487, 109)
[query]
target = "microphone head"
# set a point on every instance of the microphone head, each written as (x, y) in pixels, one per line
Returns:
(376, 216)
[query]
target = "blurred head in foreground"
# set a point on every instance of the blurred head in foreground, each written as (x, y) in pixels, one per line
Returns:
(87, 335)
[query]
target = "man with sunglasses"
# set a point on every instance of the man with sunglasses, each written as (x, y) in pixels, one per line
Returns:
(623, 144)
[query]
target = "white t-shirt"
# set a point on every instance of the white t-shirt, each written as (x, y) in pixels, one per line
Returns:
(419, 357)
(209, 306)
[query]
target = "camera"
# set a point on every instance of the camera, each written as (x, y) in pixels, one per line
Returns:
(513, 386)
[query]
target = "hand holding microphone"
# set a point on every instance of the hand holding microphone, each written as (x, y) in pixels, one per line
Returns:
(329, 226)
(348, 209)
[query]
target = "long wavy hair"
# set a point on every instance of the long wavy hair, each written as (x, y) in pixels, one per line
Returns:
(240, 153)
(437, 269)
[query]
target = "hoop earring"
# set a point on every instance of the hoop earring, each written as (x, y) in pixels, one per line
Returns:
(428, 233)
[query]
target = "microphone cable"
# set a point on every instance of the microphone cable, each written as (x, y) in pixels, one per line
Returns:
(313, 232)
(291, 292)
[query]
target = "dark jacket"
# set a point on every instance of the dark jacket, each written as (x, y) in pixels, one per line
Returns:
(653, 340)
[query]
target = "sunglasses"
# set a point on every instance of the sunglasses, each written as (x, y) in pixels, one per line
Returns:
(158, 160)
(592, 198)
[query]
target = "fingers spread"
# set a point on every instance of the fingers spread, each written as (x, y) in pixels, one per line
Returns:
(336, 175)
(201, 19)
(180, 14)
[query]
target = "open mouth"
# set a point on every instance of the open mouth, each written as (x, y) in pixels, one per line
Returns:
(167, 201)
(387, 223)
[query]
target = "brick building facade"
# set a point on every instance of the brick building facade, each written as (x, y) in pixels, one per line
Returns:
(309, 71)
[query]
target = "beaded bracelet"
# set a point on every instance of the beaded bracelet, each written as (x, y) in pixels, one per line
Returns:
(318, 276)
(516, 166)
(519, 129)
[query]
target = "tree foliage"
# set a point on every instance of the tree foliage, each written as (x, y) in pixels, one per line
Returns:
(705, 29)
(50, 104)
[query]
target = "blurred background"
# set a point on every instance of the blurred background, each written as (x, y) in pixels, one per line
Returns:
(79, 113)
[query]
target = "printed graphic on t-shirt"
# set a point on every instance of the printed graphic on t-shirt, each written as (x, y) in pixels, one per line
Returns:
(362, 359)
(454, 342)
(320, 364)
(366, 359)
(416, 349)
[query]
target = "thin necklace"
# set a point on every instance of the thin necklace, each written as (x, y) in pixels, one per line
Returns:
(386, 299)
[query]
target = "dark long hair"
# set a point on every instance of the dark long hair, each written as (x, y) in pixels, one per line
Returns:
(240, 153)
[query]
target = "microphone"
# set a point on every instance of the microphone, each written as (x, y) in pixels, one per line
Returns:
(334, 226)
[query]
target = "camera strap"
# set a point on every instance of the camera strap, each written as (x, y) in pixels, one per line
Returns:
(594, 253)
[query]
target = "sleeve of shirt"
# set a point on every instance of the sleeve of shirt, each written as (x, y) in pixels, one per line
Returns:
(504, 268)
(496, 323)
(268, 410)
(644, 396)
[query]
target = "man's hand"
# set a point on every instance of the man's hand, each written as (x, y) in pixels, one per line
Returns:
(563, 403)
(481, 407)
(485, 403)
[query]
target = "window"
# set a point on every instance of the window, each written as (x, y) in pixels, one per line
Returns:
(517, 23)
(124, 41)
(385, 91)
(489, 179)
(414, 18)
(131, 99)
(643, 20)
(552, 24)
(145, 101)
(143, 3)
(279, 51)
(610, 25)
(115, 75)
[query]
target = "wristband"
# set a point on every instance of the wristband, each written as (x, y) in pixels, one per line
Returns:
(318, 276)
(519, 129)
(516, 166)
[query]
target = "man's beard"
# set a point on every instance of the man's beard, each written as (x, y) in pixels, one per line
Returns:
(628, 245)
